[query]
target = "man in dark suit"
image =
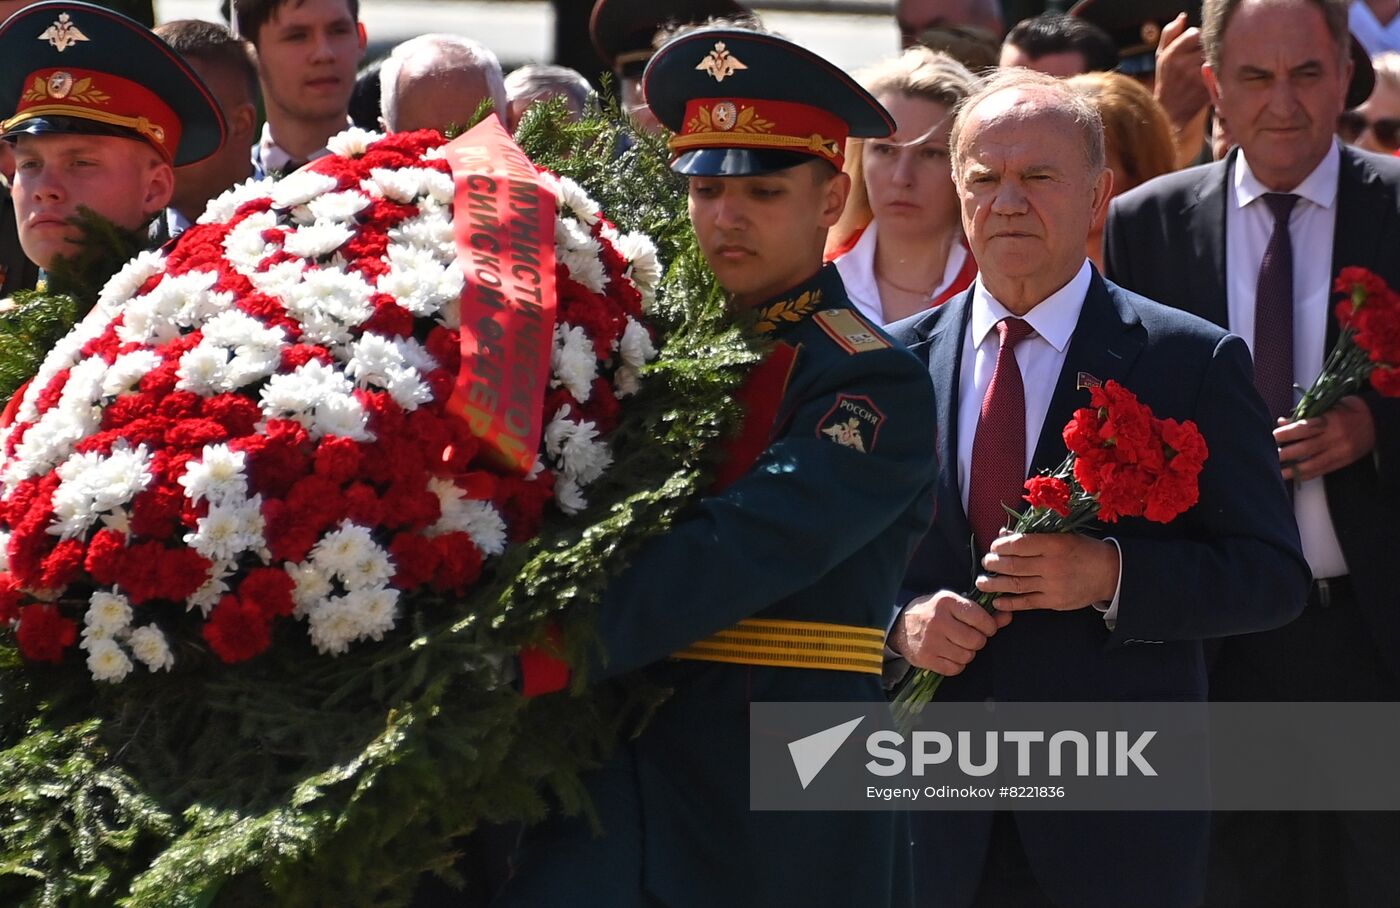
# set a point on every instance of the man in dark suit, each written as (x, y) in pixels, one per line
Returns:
(1112, 614)
(1199, 240)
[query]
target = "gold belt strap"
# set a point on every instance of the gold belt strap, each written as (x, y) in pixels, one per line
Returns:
(794, 644)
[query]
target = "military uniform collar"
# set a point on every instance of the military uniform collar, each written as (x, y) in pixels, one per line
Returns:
(821, 291)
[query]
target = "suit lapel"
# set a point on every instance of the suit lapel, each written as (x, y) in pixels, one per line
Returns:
(1103, 346)
(1205, 218)
(942, 348)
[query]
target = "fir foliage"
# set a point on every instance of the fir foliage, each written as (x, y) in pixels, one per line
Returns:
(302, 780)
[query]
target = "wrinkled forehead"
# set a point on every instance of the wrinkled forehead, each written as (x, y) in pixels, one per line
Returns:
(1017, 113)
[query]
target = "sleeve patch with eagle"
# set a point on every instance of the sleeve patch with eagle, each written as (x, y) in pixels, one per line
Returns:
(853, 421)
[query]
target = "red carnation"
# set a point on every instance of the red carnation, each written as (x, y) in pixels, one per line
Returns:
(237, 631)
(269, 590)
(44, 633)
(62, 564)
(105, 552)
(155, 513)
(415, 559)
(338, 459)
(1048, 492)
(237, 414)
(298, 355)
(460, 562)
(52, 391)
(362, 505)
(10, 599)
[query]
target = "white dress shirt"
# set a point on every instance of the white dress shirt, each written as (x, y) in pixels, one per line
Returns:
(1374, 37)
(269, 157)
(1041, 357)
(1248, 226)
(857, 270)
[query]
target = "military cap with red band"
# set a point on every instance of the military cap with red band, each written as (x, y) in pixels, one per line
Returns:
(69, 67)
(742, 102)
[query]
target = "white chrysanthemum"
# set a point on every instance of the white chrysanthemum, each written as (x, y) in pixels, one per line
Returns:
(636, 348)
(279, 280)
(419, 282)
(640, 253)
(311, 585)
(63, 355)
(333, 625)
(4, 551)
(338, 207)
(568, 496)
(213, 589)
(299, 188)
(459, 514)
(430, 232)
(92, 484)
(127, 370)
(238, 329)
(317, 240)
(408, 183)
(221, 209)
(575, 448)
(340, 550)
(294, 394)
(219, 476)
(376, 611)
(328, 302)
(110, 612)
(202, 369)
(229, 530)
(372, 571)
(149, 646)
(578, 251)
(340, 414)
(352, 142)
(572, 197)
(107, 661)
(252, 364)
(244, 246)
(123, 285)
(573, 362)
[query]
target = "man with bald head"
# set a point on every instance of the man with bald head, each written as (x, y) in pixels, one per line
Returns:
(438, 82)
(1011, 360)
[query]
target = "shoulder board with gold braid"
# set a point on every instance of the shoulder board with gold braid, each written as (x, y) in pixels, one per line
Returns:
(850, 330)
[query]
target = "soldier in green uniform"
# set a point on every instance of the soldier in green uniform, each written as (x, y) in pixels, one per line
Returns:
(779, 585)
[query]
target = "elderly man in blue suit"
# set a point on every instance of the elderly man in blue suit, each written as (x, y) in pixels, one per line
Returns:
(1114, 614)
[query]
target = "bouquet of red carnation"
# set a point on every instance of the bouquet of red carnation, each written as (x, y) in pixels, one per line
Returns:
(1368, 346)
(1123, 462)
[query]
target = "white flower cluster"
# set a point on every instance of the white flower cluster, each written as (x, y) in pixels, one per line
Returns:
(368, 607)
(107, 626)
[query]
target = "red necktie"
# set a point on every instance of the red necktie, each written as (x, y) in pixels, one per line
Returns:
(1273, 312)
(999, 448)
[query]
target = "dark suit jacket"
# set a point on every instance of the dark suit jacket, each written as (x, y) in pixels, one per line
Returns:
(1166, 239)
(1229, 565)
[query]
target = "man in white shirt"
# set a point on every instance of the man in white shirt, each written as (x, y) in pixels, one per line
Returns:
(1210, 240)
(307, 53)
(1011, 360)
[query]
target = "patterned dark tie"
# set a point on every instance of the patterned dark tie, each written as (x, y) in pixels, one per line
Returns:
(999, 448)
(1273, 312)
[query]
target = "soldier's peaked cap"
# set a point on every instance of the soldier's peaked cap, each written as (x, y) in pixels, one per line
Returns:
(69, 67)
(741, 102)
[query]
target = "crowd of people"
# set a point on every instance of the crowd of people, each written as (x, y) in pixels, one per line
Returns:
(1157, 193)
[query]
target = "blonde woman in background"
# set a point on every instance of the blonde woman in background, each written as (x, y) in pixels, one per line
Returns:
(1137, 134)
(899, 245)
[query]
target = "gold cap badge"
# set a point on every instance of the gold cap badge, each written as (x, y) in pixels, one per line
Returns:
(63, 34)
(720, 63)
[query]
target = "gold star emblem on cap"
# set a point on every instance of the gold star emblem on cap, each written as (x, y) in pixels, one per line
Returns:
(720, 63)
(63, 34)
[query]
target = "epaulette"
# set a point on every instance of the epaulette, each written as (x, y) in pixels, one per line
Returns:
(850, 330)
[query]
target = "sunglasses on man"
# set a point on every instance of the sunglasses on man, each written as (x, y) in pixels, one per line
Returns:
(1352, 123)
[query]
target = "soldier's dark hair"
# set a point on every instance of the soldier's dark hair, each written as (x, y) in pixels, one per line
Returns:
(1215, 17)
(212, 43)
(249, 16)
(1057, 33)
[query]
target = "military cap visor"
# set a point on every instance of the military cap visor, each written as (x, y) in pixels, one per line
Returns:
(741, 103)
(70, 67)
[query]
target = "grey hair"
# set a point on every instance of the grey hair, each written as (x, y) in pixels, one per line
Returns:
(1062, 98)
(439, 53)
(1215, 17)
(537, 78)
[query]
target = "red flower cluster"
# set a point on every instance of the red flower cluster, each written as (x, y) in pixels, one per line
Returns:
(1050, 492)
(1134, 463)
(1372, 310)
